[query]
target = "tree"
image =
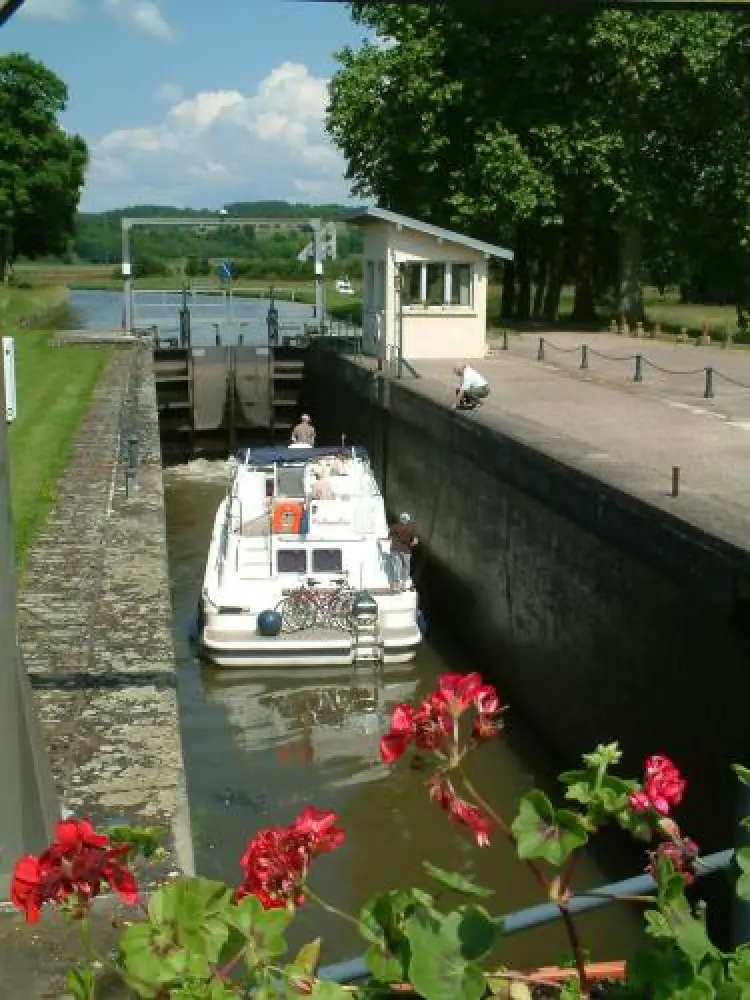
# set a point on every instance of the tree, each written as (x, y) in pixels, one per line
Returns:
(566, 132)
(42, 167)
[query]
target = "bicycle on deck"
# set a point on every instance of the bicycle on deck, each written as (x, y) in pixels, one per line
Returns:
(311, 605)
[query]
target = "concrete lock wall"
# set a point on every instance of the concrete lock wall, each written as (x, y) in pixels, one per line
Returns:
(600, 616)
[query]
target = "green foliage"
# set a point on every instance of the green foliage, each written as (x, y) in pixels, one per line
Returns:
(41, 165)
(603, 146)
(545, 833)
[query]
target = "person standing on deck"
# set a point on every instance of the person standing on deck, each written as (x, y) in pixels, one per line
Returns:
(403, 538)
(304, 432)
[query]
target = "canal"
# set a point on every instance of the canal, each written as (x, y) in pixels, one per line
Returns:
(260, 746)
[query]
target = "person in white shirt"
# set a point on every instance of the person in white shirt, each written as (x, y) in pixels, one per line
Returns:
(472, 387)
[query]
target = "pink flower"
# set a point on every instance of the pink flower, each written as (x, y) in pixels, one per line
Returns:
(663, 786)
(682, 854)
(458, 691)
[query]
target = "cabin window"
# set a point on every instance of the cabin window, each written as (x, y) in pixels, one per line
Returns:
(291, 561)
(411, 287)
(291, 481)
(461, 285)
(327, 561)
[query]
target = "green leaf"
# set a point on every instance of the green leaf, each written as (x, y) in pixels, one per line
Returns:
(438, 968)
(140, 963)
(263, 930)
(144, 841)
(690, 933)
(323, 989)
(478, 931)
(742, 887)
(308, 956)
(457, 882)
(545, 834)
(384, 966)
(82, 983)
(659, 971)
(743, 773)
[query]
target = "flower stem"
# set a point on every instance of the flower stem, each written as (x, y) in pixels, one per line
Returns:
(329, 908)
(575, 944)
(535, 870)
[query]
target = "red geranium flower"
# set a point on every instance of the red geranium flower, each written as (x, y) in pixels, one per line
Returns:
(72, 867)
(663, 788)
(681, 853)
(461, 813)
(277, 860)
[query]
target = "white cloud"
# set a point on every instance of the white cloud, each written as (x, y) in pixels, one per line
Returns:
(224, 145)
(170, 93)
(51, 10)
(143, 15)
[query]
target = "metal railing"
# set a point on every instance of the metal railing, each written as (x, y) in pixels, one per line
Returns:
(355, 969)
(640, 361)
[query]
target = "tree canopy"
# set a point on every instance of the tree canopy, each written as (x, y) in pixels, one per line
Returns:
(42, 167)
(603, 146)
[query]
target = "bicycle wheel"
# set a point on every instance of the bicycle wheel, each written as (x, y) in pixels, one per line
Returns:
(340, 611)
(297, 613)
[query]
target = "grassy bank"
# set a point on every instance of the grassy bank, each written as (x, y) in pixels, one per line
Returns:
(53, 390)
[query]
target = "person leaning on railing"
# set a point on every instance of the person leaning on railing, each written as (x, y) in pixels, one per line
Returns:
(472, 387)
(304, 432)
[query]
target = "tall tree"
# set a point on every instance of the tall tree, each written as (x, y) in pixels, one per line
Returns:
(42, 167)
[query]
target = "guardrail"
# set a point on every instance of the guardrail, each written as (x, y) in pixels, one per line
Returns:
(355, 969)
(640, 361)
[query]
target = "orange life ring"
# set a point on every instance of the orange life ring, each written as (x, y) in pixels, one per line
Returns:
(287, 517)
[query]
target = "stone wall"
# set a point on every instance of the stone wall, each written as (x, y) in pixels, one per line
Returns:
(95, 621)
(602, 617)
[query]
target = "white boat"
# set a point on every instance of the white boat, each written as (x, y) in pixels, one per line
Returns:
(302, 532)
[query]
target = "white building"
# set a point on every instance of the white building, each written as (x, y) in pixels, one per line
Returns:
(424, 288)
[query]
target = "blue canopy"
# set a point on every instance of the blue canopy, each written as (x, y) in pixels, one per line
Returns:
(293, 456)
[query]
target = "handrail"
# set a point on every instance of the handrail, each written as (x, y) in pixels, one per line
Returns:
(544, 913)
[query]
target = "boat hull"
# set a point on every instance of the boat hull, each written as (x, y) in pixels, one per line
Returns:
(250, 650)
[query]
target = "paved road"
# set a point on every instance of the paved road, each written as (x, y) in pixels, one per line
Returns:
(627, 434)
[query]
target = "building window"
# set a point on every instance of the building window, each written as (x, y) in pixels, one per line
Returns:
(461, 285)
(411, 287)
(326, 561)
(291, 561)
(436, 284)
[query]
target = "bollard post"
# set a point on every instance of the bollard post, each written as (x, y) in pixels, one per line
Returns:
(638, 377)
(130, 484)
(708, 392)
(133, 451)
(505, 340)
(675, 480)
(217, 334)
(584, 355)
(240, 339)
(540, 352)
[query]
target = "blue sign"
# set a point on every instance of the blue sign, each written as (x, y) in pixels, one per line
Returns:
(225, 270)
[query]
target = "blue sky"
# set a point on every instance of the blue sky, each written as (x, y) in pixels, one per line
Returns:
(191, 102)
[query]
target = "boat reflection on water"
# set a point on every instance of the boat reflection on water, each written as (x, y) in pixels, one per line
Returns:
(332, 720)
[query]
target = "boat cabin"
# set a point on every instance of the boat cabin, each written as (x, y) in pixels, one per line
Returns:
(314, 512)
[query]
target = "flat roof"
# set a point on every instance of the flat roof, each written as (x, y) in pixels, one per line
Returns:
(365, 215)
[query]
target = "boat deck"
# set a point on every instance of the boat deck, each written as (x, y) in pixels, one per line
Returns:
(259, 527)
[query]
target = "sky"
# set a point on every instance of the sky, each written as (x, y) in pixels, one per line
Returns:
(194, 103)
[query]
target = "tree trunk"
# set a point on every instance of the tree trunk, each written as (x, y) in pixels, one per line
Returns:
(523, 302)
(540, 284)
(555, 278)
(6, 253)
(584, 306)
(508, 305)
(629, 291)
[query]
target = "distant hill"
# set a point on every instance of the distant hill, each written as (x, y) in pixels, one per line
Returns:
(98, 234)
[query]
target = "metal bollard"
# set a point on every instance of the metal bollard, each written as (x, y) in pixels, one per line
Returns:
(675, 480)
(709, 390)
(505, 340)
(638, 377)
(130, 483)
(218, 334)
(584, 356)
(240, 339)
(133, 451)
(540, 353)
